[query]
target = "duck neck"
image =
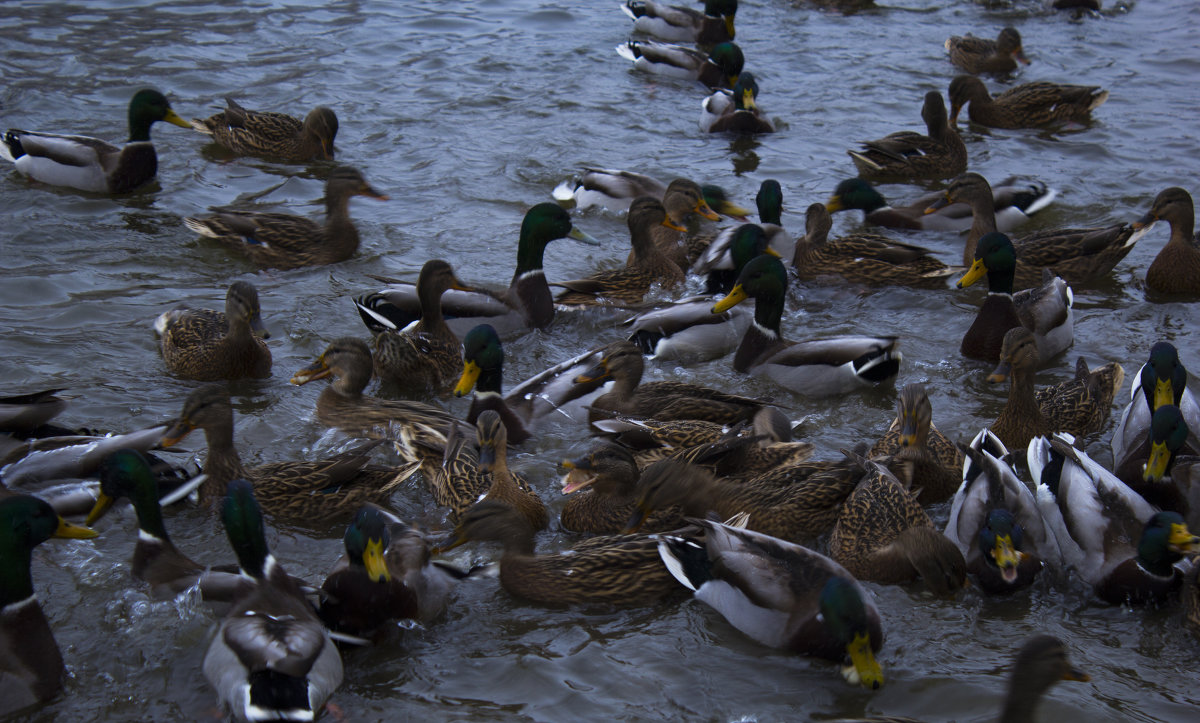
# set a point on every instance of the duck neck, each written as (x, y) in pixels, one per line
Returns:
(16, 582)
(1183, 229)
(983, 222)
(490, 380)
(762, 335)
(1022, 402)
(222, 463)
(149, 511)
(1020, 703)
(432, 320)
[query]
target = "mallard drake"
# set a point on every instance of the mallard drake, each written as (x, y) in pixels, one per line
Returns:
(913, 439)
(1045, 311)
(819, 367)
(286, 241)
(427, 356)
(271, 657)
(1162, 380)
(71, 456)
(1031, 105)
(1079, 406)
(90, 164)
(386, 574)
(630, 284)
(996, 523)
(719, 68)
(863, 258)
(33, 665)
(603, 487)
(317, 490)
(615, 190)
(610, 569)
(781, 595)
(1014, 201)
(1097, 519)
(718, 259)
(682, 201)
(980, 55)
(1176, 268)
(882, 534)
(940, 153)
(526, 303)
(1162, 468)
(1077, 254)
(208, 345)
(483, 371)
(736, 110)
(277, 135)
(683, 24)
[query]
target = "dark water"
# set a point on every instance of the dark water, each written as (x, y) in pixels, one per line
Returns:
(466, 114)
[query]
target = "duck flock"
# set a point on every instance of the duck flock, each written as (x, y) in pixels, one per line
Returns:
(674, 489)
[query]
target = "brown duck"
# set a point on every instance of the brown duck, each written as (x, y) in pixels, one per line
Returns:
(1176, 269)
(276, 135)
(940, 153)
(932, 462)
(208, 345)
(1032, 105)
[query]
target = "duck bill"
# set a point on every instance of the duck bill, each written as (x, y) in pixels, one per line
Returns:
(1007, 558)
(487, 454)
(1019, 56)
(706, 211)
(173, 118)
(1077, 675)
(729, 25)
(975, 273)
(1163, 393)
(257, 326)
(311, 373)
(326, 150)
(175, 434)
(366, 190)
(908, 430)
(458, 540)
(73, 532)
(466, 382)
(672, 225)
(736, 296)
(938, 205)
(1147, 220)
(597, 373)
(866, 668)
(954, 110)
(637, 519)
(103, 504)
(582, 236)
(727, 208)
(577, 478)
(1156, 465)
(375, 562)
(748, 101)
(1000, 373)
(1182, 540)
(834, 204)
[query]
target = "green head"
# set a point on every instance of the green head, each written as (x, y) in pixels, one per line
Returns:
(367, 539)
(844, 614)
(544, 223)
(855, 193)
(765, 280)
(1163, 377)
(25, 523)
(749, 242)
(127, 473)
(483, 361)
(1000, 543)
(245, 529)
(147, 108)
(996, 257)
(745, 91)
(770, 202)
(1168, 433)
(1165, 540)
(729, 58)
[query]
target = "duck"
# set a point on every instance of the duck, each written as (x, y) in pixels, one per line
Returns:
(680, 24)
(796, 503)
(275, 135)
(1176, 268)
(1078, 255)
(1162, 380)
(90, 164)
(426, 356)
(318, 490)
(980, 55)
(287, 241)
(207, 345)
(683, 200)
(914, 439)
(526, 304)
(1079, 406)
(28, 412)
(615, 189)
(1014, 201)
(819, 367)
(1162, 467)
(629, 285)
(1117, 542)
(622, 570)
(602, 485)
(718, 260)
(863, 258)
(718, 68)
(735, 111)
(940, 153)
(483, 371)
(996, 522)
(782, 595)
(77, 454)
(270, 657)
(883, 534)
(33, 664)
(1031, 105)
(1046, 311)
(386, 574)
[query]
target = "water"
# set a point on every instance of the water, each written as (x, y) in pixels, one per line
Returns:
(467, 114)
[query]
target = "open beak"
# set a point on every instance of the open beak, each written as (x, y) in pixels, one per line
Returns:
(582, 236)
(1182, 540)
(1001, 372)
(1156, 466)
(595, 374)
(317, 370)
(1006, 557)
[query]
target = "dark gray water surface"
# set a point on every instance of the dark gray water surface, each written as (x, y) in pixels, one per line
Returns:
(467, 113)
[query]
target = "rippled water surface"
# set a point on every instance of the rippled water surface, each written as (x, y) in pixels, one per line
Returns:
(466, 114)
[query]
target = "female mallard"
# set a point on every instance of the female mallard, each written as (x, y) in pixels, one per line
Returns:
(914, 440)
(1079, 406)
(317, 490)
(603, 488)
(1032, 105)
(717, 260)
(208, 345)
(285, 241)
(1176, 269)
(526, 303)
(385, 575)
(683, 24)
(483, 371)
(1014, 202)
(33, 665)
(90, 164)
(615, 190)
(719, 68)
(1078, 255)
(940, 153)
(682, 201)
(271, 657)
(630, 284)
(277, 135)
(1162, 380)
(736, 110)
(1045, 311)
(819, 367)
(781, 595)
(1151, 468)
(996, 523)
(980, 55)
(427, 356)
(863, 258)
(1113, 538)
(882, 534)
(610, 569)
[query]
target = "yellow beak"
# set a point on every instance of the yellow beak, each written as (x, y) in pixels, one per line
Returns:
(466, 382)
(736, 296)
